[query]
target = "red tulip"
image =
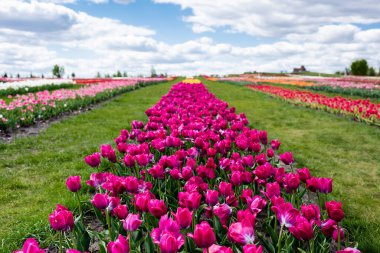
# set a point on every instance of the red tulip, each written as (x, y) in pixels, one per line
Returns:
(204, 235)
(132, 222)
(334, 210)
(73, 183)
(121, 245)
(61, 219)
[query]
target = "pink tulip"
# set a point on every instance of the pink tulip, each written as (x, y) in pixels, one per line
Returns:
(291, 182)
(287, 158)
(302, 230)
(275, 144)
(311, 212)
(257, 204)
(30, 246)
(93, 160)
(157, 207)
(132, 222)
(225, 189)
(334, 210)
(212, 197)
(241, 232)
(73, 183)
(224, 212)
(286, 214)
(204, 235)
(304, 174)
(217, 249)
(141, 201)
(167, 227)
(183, 217)
(61, 219)
(349, 250)
(100, 201)
(108, 152)
(121, 245)
(121, 211)
(252, 248)
(335, 234)
(272, 189)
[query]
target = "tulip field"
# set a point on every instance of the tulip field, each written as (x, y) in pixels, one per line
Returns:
(196, 165)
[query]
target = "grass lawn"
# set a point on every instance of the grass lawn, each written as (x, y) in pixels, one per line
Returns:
(33, 170)
(330, 145)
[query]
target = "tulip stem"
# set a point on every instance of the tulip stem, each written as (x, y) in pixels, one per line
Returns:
(338, 236)
(108, 218)
(60, 242)
(80, 207)
(279, 239)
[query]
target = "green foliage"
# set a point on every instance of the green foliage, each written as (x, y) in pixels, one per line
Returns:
(58, 71)
(359, 67)
(371, 71)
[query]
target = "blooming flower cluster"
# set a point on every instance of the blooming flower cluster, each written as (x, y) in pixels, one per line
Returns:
(35, 82)
(196, 177)
(22, 110)
(360, 109)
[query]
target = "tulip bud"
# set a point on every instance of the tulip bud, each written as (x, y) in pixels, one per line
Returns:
(121, 245)
(100, 201)
(73, 183)
(204, 235)
(132, 222)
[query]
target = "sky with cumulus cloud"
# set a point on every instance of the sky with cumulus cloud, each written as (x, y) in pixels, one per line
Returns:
(186, 37)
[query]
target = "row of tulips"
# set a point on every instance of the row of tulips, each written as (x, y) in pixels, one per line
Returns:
(364, 87)
(361, 109)
(33, 82)
(25, 110)
(196, 178)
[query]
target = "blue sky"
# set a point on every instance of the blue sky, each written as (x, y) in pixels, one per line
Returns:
(186, 37)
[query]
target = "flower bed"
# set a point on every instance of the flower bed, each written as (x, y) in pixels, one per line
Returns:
(360, 109)
(25, 110)
(194, 178)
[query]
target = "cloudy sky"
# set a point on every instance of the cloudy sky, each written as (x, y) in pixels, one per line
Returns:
(186, 36)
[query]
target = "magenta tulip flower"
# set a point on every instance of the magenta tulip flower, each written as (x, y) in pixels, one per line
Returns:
(241, 232)
(252, 248)
(101, 201)
(132, 222)
(204, 235)
(73, 183)
(183, 217)
(334, 210)
(31, 246)
(93, 160)
(157, 207)
(121, 245)
(61, 219)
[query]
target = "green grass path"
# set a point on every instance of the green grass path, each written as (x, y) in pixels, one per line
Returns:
(330, 145)
(33, 170)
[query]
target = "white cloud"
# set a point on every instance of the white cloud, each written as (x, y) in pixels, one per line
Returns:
(272, 18)
(39, 34)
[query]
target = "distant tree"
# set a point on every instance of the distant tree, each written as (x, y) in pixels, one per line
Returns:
(42, 76)
(153, 72)
(73, 75)
(58, 71)
(371, 71)
(359, 68)
(18, 75)
(5, 75)
(107, 75)
(125, 74)
(118, 74)
(98, 75)
(31, 75)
